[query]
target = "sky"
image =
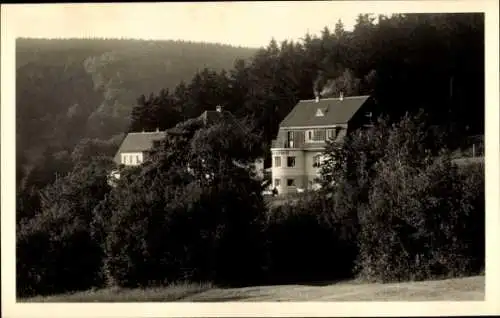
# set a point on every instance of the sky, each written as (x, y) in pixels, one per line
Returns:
(251, 24)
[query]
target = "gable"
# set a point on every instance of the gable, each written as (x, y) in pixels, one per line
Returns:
(334, 110)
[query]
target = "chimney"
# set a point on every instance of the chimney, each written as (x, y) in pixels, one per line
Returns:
(218, 108)
(341, 96)
(317, 96)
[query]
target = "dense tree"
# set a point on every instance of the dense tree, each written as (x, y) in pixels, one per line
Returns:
(55, 248)
(209, 203)
(388, 184)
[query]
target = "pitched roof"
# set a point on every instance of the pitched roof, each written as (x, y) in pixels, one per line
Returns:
(335, 111)
(139, 141)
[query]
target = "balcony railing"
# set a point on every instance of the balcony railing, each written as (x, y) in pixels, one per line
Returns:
(297, 145)
(283, 144)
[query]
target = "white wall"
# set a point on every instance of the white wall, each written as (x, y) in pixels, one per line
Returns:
(132, 158)
(283, 172)
(303, 172)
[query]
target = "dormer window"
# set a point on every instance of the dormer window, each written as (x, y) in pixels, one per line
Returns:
(320, 112)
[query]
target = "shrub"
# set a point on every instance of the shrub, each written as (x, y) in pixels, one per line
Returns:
(55, 254)
(173, 222)
(194, 232)
(413, 213)
(55, 249)
(308, 242)
(422, 223)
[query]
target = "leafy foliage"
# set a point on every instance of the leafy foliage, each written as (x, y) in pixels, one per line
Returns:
(414, 214)
(55, 249)
(178, 219)
(308, 242)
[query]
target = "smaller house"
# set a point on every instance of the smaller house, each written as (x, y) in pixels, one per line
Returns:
(136, 146)
(134, 150)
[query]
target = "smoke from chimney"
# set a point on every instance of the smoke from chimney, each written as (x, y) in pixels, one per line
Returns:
(329, 88)
(317, 84)
(341, 97)
(218, 108)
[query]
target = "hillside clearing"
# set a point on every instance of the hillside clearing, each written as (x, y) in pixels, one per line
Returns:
(458, 289)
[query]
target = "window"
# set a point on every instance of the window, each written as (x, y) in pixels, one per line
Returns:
(277, 161)
(290, 182)
(316, 135)
(277, 182)
(330, 134)
(290, 139)
(290, 162)
(309, 135)
(319, 135)
(156, 143)
(126, 159)
(137, 159)
(319, 113)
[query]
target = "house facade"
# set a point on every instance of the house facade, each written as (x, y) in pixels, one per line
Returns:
(298, 148)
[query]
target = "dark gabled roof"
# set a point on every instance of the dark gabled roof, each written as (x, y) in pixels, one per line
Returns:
(139, 142)
(335, 110)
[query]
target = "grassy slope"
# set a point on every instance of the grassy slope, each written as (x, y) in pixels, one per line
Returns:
(469, 288)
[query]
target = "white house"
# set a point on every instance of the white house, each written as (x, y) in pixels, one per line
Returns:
(136, 146)
(298, 148)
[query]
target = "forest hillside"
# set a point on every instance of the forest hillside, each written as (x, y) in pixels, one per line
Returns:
(70, 89)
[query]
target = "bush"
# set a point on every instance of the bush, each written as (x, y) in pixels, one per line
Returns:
(55, 254)
(55, 249)
(199, 234)
(170, 221)
(422, 223)
(412, 212)
(307, 241)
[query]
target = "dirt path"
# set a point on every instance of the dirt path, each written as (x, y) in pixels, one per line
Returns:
(470, 288)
